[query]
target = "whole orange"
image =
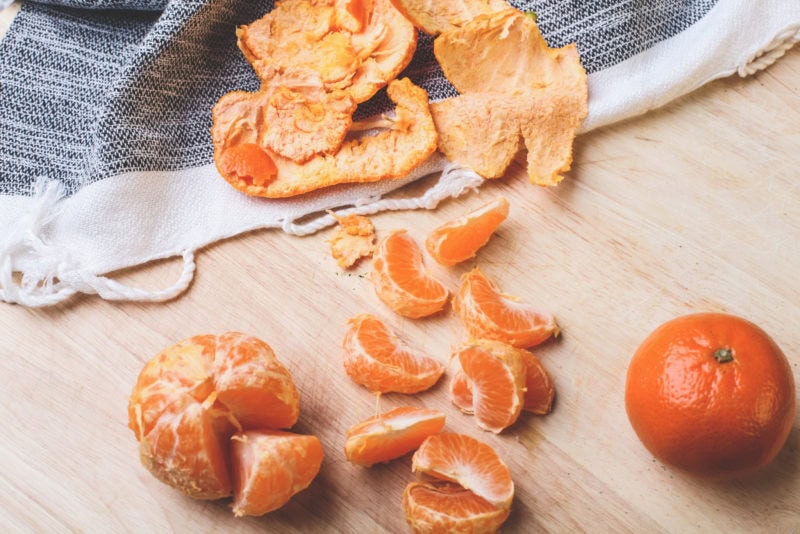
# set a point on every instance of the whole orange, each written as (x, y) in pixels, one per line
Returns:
(711, 394)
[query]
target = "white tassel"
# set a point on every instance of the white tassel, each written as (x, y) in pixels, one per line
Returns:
(772, 52)
(36, 272)
(54, 275)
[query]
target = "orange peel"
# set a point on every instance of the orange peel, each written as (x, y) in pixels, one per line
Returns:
(407, 139)
(353, 239)
(318, 59)
(437, 16)
(356, 45)
(513, 89)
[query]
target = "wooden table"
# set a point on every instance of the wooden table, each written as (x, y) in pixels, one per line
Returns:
(692, 207)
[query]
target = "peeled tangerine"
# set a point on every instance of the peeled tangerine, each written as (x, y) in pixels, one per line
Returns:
(513, 89)
(206, 412)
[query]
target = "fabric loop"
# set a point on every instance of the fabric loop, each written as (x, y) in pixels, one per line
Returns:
(67, 280)
(453, 182)
(86, 282)
(51, 275)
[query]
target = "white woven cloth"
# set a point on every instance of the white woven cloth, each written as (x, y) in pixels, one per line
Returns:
(52, 246)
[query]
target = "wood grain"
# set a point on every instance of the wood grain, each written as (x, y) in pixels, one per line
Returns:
(692, 207)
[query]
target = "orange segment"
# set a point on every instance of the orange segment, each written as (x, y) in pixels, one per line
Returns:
(380, 361)
(461, 391)
(494, 373)
(465, 461)
(449, 508)
(271, 466)
(391, 435)
(460, 239)
(539, 389)
(488, 313)
(183, 371)
(253, 384)
(401, 280)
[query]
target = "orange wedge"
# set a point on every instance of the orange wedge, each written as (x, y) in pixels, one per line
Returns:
(487, 313)
(252, 384)
(271, 466)
(380, 361)
(460, 239)
(401, 280)
(354, 239)
(391, 435)
(472, 464)
(493, 373)
(182, 448)
(539, 389)
(448, 507)
(461, 391)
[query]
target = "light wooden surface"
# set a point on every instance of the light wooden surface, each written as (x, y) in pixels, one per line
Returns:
(692, 207)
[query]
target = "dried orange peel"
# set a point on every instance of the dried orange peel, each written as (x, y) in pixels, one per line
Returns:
(353, 239)
(317, 59)
(406, 140)
(513, 89)
(437, 16)
(355, 45)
